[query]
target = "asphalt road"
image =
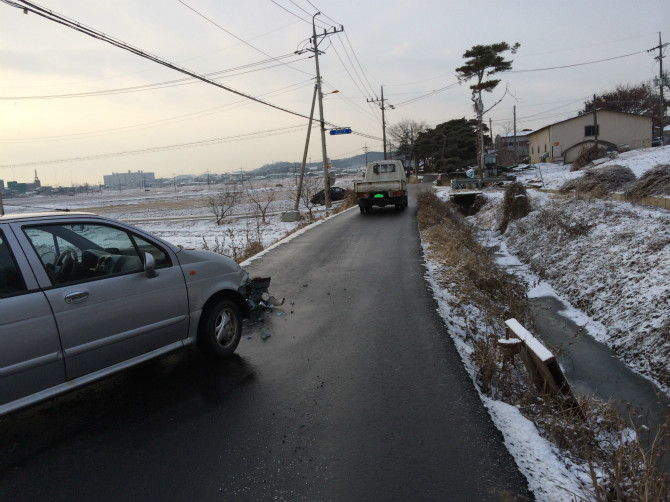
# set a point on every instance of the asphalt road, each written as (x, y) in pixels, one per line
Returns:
(357, 395)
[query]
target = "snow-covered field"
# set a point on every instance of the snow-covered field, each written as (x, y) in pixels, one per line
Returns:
(183, 215)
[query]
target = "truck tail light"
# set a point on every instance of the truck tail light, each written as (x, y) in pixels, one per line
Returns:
(395, 194)
(362, 195)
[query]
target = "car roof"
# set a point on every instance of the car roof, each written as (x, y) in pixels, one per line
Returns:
(45, 215)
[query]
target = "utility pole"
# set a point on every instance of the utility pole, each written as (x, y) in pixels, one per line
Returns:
(315, 42)
(491, 134)
(304, 155)
(662, 80)
(383, 108)
(366, 154)
(516, 154)
(595, 122)
(480, 125)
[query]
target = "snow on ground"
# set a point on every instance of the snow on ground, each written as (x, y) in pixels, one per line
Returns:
(182, 215)
(554, 175)
(610, 262)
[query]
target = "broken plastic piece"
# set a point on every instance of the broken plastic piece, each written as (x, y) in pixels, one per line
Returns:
(264, 334)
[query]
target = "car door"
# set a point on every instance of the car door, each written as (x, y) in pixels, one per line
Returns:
(31, 358)
(107, 310)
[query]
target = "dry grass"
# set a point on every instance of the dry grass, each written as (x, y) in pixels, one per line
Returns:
(656, 181)
(516, 204)
(600, 182)
(587, 156)
(350, 200)
(623, 460)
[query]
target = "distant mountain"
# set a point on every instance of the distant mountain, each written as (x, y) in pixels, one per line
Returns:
(289, 167)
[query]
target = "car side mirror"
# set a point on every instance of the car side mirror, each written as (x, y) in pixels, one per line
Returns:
(150, 266)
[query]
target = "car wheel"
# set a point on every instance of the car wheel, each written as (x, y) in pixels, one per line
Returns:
(220, 329)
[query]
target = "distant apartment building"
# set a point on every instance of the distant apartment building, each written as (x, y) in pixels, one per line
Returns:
(506, 142)
(139, 179)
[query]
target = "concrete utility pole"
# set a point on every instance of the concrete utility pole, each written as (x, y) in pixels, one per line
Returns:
(516, 153)
(595, 122)
(304, 155)
(383, 108)
(315, 42)
(480, 125)
(662, 81)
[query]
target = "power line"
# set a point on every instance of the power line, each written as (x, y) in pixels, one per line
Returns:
(427, 95)
(178, 146)
(146, 125)
(308, 21)
(235, 36)
(372, 92)
(27, 6)
(52, 16)
(149, 87)
(576, 64)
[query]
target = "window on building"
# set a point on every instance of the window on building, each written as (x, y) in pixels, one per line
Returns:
(590, 130)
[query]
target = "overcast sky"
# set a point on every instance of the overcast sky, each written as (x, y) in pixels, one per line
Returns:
(411, 48)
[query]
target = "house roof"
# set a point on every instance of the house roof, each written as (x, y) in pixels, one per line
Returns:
(579, 116)
(519, 134)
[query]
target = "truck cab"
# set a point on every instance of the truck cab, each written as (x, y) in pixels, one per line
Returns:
(384, 184)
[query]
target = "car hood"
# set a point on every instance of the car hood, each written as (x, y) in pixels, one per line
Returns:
(193, 256)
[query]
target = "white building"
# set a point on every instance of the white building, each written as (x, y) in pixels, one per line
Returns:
(140, 179)
(565, 140)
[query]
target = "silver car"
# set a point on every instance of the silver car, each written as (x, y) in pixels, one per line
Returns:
(83, 296)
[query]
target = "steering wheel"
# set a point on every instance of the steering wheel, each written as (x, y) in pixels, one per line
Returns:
(67, 261)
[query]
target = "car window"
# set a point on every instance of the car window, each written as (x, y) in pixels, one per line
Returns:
(80, 252)
(159, 254)
(11, 281)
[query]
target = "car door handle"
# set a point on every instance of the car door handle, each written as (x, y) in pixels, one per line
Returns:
(76, 297)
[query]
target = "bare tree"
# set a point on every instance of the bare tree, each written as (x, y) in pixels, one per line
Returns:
(223, 203)
(310, 186)
(261, 198)
(404, 134)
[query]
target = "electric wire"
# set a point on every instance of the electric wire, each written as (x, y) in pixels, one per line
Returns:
(148, 87)
(69, 23)
(576, 64)
(427, 95)
(178, 146)
(155, 123)
(233, 35)
(53, 16)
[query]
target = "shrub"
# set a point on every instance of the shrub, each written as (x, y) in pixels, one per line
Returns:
(516, 204)
(656, 181)
(600, 182)
(587, 156)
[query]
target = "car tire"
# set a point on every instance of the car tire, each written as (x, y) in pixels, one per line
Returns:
(220, 329)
